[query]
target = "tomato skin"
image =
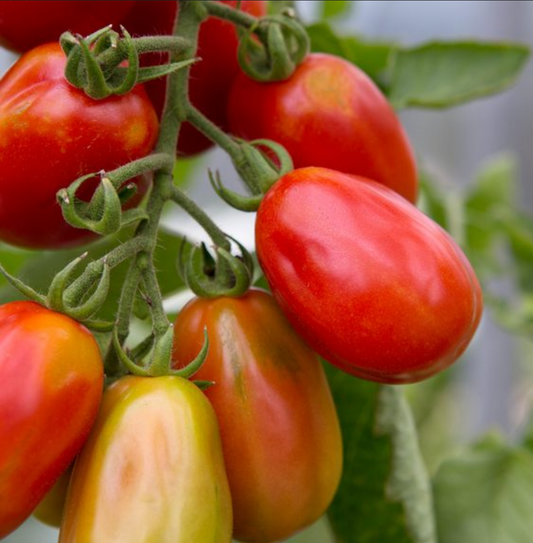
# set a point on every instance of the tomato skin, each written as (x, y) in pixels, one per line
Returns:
(211, 78)
(279, 427)
(155, 450)
(25, 24)
(51, 377)
(371, 283)
(51, 134)
(328, 114)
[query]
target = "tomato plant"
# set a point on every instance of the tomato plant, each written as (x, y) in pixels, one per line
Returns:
(52, 133)
(329, 113)
(152, 468)
(211, 77)
(280, 434)
(390, 308)
(26, 24)
(52, 378)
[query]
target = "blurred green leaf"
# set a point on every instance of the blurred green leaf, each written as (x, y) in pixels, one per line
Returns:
(439, 74)
(12, 259)
(331, 9)
(485, 494)
(487, 207)
(384, 494)
(371, 57)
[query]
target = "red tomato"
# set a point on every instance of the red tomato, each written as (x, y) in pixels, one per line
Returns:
(51, 380)
(152, 470)
(211, 79)
(328, 114)
(280, 433)
(51, 134)
(371, 283)
(26, 24)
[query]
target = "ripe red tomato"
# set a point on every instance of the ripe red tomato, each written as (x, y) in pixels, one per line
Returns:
(51, 134)
(371, 283)
(280, 433)
(51, 380)
(328, 114)
(211, 79)
(26, 24)
(152, 469)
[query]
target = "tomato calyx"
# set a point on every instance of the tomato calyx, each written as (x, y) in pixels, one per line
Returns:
(272, 49)
(211, 277)
(95, 63)
(159, 347)
(258, 169)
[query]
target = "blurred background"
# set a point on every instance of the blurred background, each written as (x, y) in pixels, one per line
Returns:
(452, 145)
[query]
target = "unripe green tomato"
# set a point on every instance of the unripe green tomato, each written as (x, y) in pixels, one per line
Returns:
(152, 470)
(50, 509)
(280, 433)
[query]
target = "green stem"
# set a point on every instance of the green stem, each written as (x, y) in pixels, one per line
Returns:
(213, 132)
(150, 163)
(174, 113)
(201, 217)
(236, 16)
(159, 318)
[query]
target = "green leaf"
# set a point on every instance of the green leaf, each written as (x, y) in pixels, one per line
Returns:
(12, 259)
(485, 495)
(371, 57)
(335, 8)
(488, 206)
(439, 75)
(385, 493)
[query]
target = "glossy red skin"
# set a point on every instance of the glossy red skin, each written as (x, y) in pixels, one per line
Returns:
(328, 114)
(51, 134)
(26, 24)
(372, 284)
(211, 78)
(51, 380)
(280, 434)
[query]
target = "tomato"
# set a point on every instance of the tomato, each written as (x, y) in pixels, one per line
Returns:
(50, 509)
(26, 24)
(51, 380)
(328, 114)
(151, 470)
(211, 78)
(279, 427)
(371, 283)
(51, 134)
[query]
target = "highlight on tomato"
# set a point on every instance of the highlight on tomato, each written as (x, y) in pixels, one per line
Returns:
(51, 380)
(211, 78)
(371, 283)
(152, 469)
(279, 427)
(52, 133)
(329, 113)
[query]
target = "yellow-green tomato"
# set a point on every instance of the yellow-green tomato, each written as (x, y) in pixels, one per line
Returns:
(152, 470)
(50, 509)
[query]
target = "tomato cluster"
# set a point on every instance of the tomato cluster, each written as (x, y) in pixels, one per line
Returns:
(358, 276)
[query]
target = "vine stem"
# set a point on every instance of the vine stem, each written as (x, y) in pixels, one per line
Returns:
(191, 14)
(236, 16)
(201, 217)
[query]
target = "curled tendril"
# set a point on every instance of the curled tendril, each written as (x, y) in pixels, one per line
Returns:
(272, 49)
(83, 311)
(258, 169)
